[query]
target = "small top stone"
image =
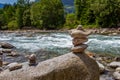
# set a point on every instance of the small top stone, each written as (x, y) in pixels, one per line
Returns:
(79, 27)
(32, 59)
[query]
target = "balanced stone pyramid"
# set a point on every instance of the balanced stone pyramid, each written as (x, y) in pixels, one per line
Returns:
(79, 38)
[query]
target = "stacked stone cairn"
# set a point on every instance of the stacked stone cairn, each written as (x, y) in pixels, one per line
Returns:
(79, 38)
(32, 59)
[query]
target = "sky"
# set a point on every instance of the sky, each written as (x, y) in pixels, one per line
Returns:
(9, 1)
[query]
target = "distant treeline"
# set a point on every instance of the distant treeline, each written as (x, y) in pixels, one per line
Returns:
(50, 14)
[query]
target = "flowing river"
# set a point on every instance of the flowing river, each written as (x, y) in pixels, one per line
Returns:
(60, 43)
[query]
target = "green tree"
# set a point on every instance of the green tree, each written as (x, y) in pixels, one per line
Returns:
(103, 13)
(12, 25)
(82, 10)
(26, 18)
(107, 12)
(9, 13)
(48, 13)
(2, 21)
(71, 21)
(19, 15)
(23, 13)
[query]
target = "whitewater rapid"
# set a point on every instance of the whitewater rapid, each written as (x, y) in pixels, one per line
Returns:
(60, 42)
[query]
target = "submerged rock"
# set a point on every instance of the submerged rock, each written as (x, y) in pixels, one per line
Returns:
(66, 67)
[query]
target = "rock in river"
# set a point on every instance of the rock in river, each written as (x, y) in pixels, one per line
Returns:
(114, 64)
(6, 45)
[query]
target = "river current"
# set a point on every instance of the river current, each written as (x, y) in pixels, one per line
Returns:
(60, 43)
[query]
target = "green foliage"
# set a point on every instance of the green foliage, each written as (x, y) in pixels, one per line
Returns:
(13, 25)
(2, 21)
(48, 13)
(19, 15)
(103, 13)
(26, 18)
(71, 21)
(9, 13)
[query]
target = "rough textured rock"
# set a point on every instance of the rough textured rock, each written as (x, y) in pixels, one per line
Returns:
(79, 34)
(101, 67)
(32, 59)
(66, 67)
(79, 49)
(116, 75)
(14, 66)
(6, 45)
(117, 59)
(5, 63)
(79, 27)
(118, 69)
(76, 41)
(114, 64)
(13, 54)
(1, 62)
(1, 53)
(6, 50)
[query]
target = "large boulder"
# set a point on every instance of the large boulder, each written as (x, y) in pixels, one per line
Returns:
(66, 67)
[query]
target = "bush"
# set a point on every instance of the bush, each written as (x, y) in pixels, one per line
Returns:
(13, 25)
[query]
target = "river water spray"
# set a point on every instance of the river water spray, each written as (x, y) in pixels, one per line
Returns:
(60, 43)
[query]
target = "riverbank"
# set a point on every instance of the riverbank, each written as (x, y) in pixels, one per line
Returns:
(104, 31)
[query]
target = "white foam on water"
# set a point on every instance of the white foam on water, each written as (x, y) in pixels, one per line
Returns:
(61, 41)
